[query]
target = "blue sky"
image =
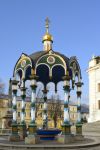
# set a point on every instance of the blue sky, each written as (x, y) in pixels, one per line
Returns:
(75, 26)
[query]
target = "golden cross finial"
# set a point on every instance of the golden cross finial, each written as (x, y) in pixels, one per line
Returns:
(47, 21)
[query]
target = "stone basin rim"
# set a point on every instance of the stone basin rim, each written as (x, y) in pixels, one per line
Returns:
(91, 144)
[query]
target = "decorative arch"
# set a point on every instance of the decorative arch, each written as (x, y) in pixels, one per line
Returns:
(27, 72)
(77, 74)
(74, 65)
(19, 73)
(57, 73)
(42, 71)
(52, 59)
(23, 62)
(58, 65)
(42, 64)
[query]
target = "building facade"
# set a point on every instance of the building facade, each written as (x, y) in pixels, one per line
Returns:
(94, 89)
(55, 112)
(4, 99)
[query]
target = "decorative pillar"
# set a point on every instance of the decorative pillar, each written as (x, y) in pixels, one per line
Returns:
(66, 124)
(32, 137)
(45, 115)
(45, 107)
(66, 136)
(14, 136)
(22, 126)
(33, 104)
(57, 112)
(79, 123)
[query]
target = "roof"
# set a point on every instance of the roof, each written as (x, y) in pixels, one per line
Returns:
(35, 56)
(6, 97)
(3, 96)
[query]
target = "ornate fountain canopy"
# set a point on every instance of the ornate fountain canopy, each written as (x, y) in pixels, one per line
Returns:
(48, 65)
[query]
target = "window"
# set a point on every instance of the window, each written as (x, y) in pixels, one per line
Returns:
(98, 87)
(73, 109)
(28, 105)
(18, 105)
(97, 60)
(40, 114)
(74, 116)
(98, 104)
(18, 114)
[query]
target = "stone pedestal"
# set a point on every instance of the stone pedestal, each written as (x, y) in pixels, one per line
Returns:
(79, 129)
(14, 136)
(32, 139)
(66, 129)
(32, 128)
(65, 139)
(66, 136)
(22, 131)
(79, 135)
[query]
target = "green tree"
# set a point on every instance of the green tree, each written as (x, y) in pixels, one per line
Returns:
(55, 110)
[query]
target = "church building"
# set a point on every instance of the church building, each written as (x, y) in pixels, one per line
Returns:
(94, 89)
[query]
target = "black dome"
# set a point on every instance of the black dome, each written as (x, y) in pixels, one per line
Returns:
(35, 56)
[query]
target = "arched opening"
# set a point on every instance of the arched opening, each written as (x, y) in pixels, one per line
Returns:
(39, 92)
(57, 73)
(18, 74)
(51, 90)
(27, 72)
(42, 71)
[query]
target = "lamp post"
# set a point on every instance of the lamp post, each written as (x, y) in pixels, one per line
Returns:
(79, 123)
(14, 136)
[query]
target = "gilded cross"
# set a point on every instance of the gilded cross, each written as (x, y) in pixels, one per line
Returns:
(47, 21)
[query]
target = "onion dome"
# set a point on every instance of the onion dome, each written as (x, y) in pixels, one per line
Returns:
(47, 37)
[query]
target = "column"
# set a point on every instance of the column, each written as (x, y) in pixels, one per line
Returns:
(14, 136)
(66, 123)
(78, 122)
(14, 106)
(45, 107)
(57, 111)
(32, 137)
(22, 126)
(33, 105)
(23, 105)
(66, 136)
(33, 101)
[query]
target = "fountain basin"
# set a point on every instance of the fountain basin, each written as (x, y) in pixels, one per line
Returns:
(48, 134)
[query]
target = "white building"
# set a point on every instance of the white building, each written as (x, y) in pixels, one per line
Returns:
(94, 89)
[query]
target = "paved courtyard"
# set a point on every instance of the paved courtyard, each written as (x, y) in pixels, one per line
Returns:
(89, 131)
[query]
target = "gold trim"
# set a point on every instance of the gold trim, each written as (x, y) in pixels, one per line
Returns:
(23, 57)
